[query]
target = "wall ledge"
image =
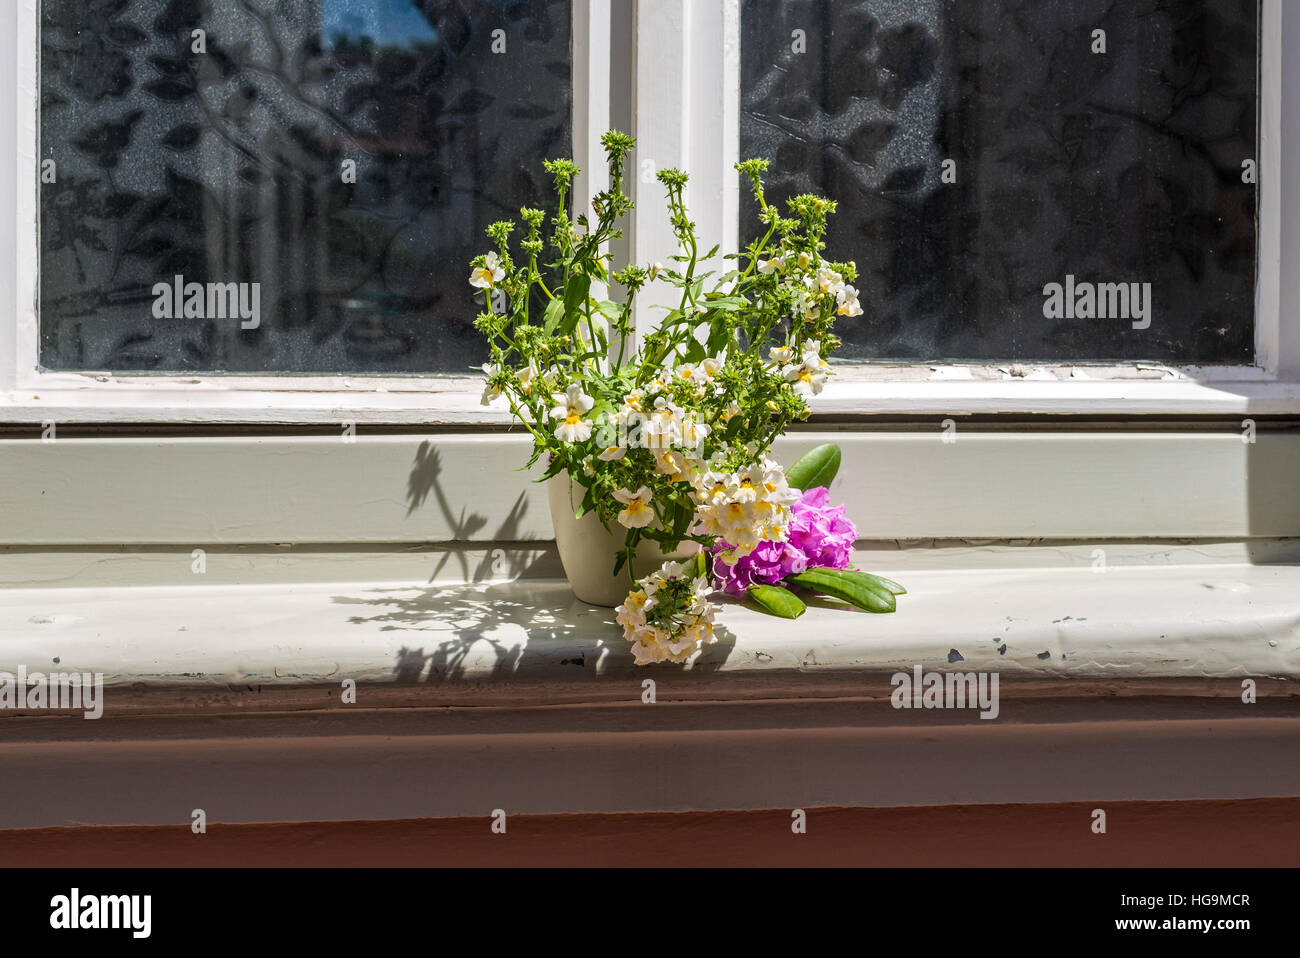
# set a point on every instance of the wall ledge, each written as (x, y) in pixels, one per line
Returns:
(1175, 622)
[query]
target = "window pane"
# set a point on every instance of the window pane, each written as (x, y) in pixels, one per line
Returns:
(334, 161)
(1079, 158)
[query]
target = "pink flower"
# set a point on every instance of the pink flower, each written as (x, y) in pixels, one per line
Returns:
(819, 536)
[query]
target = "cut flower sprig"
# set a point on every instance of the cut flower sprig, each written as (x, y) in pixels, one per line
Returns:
(668, 433)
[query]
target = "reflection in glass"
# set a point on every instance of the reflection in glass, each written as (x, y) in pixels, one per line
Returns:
(343, 155)
(982, 150)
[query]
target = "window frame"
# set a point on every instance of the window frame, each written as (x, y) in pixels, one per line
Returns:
(678, 49)
(29, 394)
(675, 122)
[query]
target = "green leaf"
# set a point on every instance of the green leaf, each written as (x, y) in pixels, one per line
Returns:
(719, 335)
(816, 467)
(775, 600)
(730, 303)
(554, 468)
(611, 310)
(551, 318)
(681, 520)
(575, 297)
(889, 585)
(695, 351)
(588, 503)
(834, 583)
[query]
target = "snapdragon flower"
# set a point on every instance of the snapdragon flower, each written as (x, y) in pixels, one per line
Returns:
(744, 508)
(489, 274)
(638, 512)
(492, 389)
(667, 617)
(570, 407)
(817, 536)
(808, 377)
(847, 301)
(529, 376)
(829, 281)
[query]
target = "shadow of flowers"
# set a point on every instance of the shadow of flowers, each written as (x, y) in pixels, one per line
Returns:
(515, 629)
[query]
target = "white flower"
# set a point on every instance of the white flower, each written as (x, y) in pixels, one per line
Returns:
(774, 265)
(808, 378)
(848, 302)
(781, 354)
(694, 433)
(671, 463)
(744, 508)
(635, 606)
(490, 391)
(687, 372)
(638, 513)
(489, 274)
(632, 409)
(527, 377)
(611, 453)
(667, 616)
(710, 367)
(712, 488)
(569, 410)
(829, 281)
(663, 427)
(655, 270)
(809, 375)
(804, 260)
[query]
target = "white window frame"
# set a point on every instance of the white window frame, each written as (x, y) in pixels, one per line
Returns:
(31, 395)
(687, 48)
(683, 50)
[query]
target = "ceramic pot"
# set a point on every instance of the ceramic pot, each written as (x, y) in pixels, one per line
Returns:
(588, 550)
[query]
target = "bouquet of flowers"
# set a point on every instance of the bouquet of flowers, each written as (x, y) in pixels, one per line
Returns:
(669, 436)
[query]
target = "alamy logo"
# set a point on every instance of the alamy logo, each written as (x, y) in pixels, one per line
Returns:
(181, 300)
(74, 910)
(1098, 301)
(58, 690)
(946, 690)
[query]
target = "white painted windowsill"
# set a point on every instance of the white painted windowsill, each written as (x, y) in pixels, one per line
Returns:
(70, 398)
(1128, 622)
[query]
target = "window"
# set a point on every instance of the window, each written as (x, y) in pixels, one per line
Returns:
(983, 154)
(296, 187)
(1021, 180)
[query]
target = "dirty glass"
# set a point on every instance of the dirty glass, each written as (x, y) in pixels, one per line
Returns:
(285, 186)
(1069, 180)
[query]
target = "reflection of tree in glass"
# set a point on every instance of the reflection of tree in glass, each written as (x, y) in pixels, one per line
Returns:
(233, 161)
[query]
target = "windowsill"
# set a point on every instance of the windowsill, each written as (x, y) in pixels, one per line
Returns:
(229, 698)
(455, 401)
(1128, 622)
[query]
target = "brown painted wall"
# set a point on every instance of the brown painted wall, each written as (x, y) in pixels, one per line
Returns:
(1253, 832)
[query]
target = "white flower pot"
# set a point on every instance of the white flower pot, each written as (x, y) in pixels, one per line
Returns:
(588, 550)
